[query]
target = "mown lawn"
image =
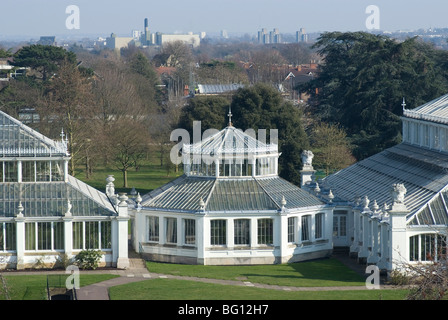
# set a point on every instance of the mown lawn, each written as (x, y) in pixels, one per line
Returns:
(319, 273)
(170, 289)
(33, 287)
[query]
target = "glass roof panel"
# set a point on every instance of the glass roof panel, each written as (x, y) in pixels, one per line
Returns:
(438, 211)
(47, 200)
(228, 194)
(16, 139)
(182, 194)
(424, 217)
(295, 197)
(239, 194)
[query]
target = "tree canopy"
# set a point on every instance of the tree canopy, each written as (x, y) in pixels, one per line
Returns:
(330, 147)
(262, 107)
(363, 82)
(5, 53)
(210, 110)
(43, 58)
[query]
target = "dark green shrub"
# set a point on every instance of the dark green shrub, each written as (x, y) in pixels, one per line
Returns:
(88, 259)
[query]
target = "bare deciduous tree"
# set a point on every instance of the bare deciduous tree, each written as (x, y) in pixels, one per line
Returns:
(127, 143)
(69, 107)
(330, 148)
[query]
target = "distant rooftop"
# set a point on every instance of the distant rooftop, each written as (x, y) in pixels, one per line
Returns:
(218, 88)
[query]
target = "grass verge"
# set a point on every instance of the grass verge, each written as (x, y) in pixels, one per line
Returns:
(319, 273)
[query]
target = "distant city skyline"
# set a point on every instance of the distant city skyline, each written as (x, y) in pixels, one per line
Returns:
(34, 18)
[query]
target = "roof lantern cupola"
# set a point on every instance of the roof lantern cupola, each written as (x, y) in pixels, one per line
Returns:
(232, 153)
(427, 125)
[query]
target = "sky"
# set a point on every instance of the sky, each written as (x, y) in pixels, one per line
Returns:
(34, 18)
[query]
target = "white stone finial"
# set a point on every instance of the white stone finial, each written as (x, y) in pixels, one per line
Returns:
(317, 188)
(138, 199)
(201, 204)
(122, 198)
(366, 202)
(375, 207)
(307, 158)
(307, 172)
(398, 193)
(20, 210)
(110, 187)
(68, 213)
(330, 196)
(384, 210)
(403, 104)
(283, 201)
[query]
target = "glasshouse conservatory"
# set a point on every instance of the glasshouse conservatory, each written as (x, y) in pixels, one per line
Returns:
(46, 215)
(391, 208)
(231, 207)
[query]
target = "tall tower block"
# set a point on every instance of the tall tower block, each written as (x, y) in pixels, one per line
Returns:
(147, 36)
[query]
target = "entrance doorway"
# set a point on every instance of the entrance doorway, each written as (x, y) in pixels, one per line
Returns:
(340, 238)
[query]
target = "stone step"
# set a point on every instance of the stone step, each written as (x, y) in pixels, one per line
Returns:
(137, 263)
